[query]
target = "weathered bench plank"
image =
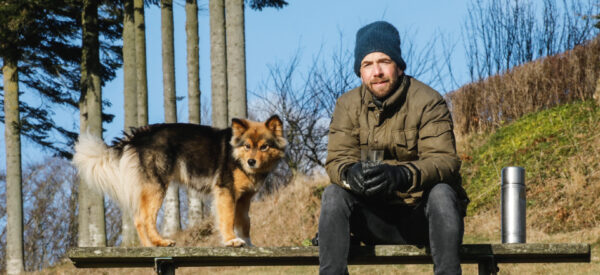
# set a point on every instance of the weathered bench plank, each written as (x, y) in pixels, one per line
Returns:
(94, 257)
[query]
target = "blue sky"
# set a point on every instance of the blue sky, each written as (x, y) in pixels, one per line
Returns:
(273, 37)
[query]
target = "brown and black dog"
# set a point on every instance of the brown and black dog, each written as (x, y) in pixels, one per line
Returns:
(231, 163)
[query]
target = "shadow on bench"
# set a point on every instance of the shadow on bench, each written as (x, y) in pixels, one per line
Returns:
(166, 259)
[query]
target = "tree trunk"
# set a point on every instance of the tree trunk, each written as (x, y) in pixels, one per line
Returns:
(128, 232)
(193, 60)
(73, 220)
(195, 198)
(129, 67)
(597, 92)
(171, 222)
(91, 118)
(236, 59)
(140, 62)
(83, 219)
(14, 198)
(218, 63)
(198, 202)
(168, 61)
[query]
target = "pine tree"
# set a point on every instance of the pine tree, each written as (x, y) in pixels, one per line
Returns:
(91, 113)
(39, 51)
(49, 59)
(140, 62)
(218, 63)
(195, 199)
(96, 22)
(227, 38)
(193, 60)
(236, 59)
(14, 200)
(11, 24)
(128, 232)
(171, 221)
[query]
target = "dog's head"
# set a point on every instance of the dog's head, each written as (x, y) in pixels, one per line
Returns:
(258, 146)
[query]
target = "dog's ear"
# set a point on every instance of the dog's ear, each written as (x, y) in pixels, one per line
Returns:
(275, 125)
(238, 126)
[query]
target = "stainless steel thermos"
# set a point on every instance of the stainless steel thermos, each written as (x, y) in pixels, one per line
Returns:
(513, 204)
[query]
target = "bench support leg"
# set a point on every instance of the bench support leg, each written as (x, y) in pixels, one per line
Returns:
(164, 266)
(487, 266)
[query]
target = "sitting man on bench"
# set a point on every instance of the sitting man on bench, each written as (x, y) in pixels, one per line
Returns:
(414, 195)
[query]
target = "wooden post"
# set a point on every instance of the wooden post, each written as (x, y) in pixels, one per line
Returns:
(487, 266)
(164, 266)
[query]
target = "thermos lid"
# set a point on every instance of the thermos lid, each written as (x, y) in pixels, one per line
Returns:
(513, 175)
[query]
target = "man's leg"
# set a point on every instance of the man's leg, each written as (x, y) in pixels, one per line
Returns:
(334, 230)
(343, 212)
(446, 228)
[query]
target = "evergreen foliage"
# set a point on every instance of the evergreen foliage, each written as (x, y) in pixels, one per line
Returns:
(260, 4)
(45, 38)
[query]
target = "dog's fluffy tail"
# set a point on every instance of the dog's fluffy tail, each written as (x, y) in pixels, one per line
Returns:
(105, 169)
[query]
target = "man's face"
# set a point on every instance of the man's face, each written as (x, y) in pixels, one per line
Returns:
(379, 73)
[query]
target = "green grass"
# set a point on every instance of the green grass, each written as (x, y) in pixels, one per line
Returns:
(540, 142)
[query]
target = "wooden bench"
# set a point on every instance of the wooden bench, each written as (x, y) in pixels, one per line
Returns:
(166, 259)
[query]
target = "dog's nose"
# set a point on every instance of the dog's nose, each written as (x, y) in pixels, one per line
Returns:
(251, 162)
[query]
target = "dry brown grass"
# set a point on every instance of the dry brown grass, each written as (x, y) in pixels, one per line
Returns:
(540, 84)
(570, 201)
(286, 218)
(485, 227)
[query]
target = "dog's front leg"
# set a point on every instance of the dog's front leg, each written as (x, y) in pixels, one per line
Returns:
(225, 203)
(242, 219)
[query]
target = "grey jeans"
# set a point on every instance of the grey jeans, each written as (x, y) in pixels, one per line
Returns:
(438, 222)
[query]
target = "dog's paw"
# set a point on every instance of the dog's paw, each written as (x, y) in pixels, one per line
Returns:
(165, 242)
(236, 242)
(248, 242)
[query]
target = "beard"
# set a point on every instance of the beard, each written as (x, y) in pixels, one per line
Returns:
(382, 88)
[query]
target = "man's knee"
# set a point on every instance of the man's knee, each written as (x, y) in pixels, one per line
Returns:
(442, 198)
(335, 198)
(444, 212)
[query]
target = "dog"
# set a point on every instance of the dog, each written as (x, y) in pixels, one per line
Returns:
(231, 163)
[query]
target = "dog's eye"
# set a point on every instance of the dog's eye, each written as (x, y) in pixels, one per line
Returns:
(247, 146)
(264, 147)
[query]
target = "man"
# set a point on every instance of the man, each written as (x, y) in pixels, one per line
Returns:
(414, 195)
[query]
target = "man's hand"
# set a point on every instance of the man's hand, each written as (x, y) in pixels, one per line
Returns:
(386, 179)
(355, 178)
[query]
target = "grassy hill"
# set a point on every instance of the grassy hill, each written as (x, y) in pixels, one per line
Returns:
(559, 149)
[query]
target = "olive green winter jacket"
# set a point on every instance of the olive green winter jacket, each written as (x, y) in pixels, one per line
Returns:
(413, 126)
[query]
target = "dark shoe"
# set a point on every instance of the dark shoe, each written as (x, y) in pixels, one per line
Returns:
(315, 241)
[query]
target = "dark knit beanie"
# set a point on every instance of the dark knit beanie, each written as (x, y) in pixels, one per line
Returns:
(379, 36)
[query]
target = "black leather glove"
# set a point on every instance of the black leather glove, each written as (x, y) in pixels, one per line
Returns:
(385, 179)
(355, 178)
